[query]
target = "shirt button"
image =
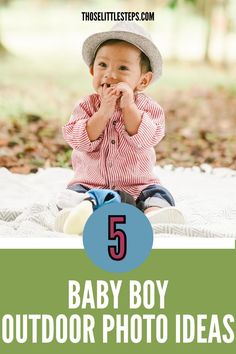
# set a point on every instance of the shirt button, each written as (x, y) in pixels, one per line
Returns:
(113, 187)
(110, 164)
(113, 141)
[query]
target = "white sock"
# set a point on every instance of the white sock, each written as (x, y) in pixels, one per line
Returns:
(69, 199)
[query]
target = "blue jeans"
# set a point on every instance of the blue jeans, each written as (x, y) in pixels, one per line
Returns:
(154, 195)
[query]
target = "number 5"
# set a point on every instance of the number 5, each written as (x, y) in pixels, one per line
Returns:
(117, 253)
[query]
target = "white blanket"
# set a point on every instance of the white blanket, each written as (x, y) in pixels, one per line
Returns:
(206, 196)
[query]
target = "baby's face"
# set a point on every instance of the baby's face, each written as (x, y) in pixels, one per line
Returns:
(116, 63)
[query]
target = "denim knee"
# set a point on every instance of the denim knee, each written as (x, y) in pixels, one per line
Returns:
(155, 196)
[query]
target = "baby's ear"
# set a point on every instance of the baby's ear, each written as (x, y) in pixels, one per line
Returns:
(91, 70)
(145, 81)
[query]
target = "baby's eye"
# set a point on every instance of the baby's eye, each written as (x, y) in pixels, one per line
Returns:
(123, 67)
(102, 64)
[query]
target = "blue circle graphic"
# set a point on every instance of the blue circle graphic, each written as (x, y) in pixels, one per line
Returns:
(118, 237)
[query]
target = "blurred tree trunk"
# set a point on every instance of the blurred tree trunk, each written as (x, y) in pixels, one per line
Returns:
(179, 6)
(215, 13)
(207, 12)
(222, 17)
(3, 49)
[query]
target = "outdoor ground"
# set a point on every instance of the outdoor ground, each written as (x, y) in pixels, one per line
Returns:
(36, 98)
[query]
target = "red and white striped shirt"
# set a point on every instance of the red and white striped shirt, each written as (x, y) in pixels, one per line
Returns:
(115, 160)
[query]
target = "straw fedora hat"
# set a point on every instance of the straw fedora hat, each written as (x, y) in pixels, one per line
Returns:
(129, 32)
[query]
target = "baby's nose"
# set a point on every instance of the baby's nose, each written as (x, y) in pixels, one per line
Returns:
(110, 74)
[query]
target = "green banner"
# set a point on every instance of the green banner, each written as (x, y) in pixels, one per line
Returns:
(58, 301)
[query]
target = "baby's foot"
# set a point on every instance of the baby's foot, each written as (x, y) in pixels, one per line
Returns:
(73, 220)
(79, 206)
(168, 215)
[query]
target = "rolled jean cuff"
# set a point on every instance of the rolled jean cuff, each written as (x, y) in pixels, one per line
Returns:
(155, 202)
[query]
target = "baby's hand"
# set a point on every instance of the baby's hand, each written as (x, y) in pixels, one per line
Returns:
(126, 94)
(108, 99)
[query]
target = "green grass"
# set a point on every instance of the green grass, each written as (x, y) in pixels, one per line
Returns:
(45, 89)
(181, 76)
(50, 88)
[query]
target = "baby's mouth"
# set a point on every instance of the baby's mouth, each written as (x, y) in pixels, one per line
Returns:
(107, 85)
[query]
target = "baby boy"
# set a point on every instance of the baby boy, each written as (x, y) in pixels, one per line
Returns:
(113, 131)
